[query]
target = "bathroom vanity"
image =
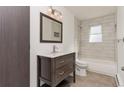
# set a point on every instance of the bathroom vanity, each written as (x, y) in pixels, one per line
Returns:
(55, 67)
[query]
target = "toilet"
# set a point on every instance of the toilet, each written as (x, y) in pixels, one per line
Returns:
(81, 68)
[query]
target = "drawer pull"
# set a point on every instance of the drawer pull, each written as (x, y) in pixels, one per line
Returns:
(62, 62)
(61, 73)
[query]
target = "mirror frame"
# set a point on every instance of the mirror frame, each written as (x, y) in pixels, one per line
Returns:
(41, 29)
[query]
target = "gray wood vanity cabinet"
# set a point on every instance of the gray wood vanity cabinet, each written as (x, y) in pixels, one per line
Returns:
(53, 70)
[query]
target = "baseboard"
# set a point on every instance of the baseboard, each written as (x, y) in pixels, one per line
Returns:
(119, 81)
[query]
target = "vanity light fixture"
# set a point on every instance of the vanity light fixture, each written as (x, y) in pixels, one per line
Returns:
(54, 13)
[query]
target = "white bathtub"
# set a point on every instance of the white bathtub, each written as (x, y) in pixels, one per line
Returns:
(101, 66)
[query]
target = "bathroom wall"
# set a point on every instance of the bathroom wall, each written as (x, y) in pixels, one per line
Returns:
(77, 35)
(37, 48)
(104, 50)
(120, 36)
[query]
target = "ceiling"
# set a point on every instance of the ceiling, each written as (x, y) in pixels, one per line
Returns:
(87, 12)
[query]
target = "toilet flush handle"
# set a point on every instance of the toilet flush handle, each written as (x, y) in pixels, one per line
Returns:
(122, 68)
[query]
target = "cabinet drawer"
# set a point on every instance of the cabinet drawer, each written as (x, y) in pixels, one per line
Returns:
(64, 71)
(63, 60)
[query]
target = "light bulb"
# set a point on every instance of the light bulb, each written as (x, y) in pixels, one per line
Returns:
(50, 10)
(55, 13)
(60, 16)
(52, 15)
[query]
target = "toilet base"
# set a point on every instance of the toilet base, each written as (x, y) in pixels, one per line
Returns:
(81, 71)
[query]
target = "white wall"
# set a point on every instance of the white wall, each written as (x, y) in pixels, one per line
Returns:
(37, 48)
(77, 35)
(120, 35)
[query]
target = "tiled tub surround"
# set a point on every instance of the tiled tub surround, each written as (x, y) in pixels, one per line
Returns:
(104, 50)
(100, 57)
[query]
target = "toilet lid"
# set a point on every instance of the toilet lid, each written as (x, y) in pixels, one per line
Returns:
(81, 63)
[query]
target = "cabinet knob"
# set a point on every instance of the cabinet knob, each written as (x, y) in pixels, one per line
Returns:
(61, 73)
(62, 61)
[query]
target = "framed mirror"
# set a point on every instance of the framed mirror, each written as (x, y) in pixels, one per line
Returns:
(50, 29)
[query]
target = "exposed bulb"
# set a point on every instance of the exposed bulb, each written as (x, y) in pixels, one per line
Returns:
(49, 10)
(60, 16)
(55, 13)
(52, 15)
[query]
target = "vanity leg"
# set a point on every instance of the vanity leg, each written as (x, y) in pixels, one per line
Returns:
(38, 71)
(74, 77)
(74, 80)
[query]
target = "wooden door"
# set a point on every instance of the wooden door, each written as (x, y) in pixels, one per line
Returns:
(14, 46)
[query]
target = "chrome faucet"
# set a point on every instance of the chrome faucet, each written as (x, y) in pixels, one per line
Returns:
(54, 48)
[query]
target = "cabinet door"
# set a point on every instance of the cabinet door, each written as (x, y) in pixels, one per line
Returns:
(14, 46)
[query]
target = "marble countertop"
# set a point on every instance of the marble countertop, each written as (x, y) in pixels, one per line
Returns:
(56, 54)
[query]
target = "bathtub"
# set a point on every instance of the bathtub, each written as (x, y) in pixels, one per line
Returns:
(101, 66)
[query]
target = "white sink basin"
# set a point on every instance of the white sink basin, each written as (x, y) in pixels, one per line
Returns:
(56, 54)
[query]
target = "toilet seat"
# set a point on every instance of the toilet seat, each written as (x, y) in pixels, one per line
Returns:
(81, 63)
